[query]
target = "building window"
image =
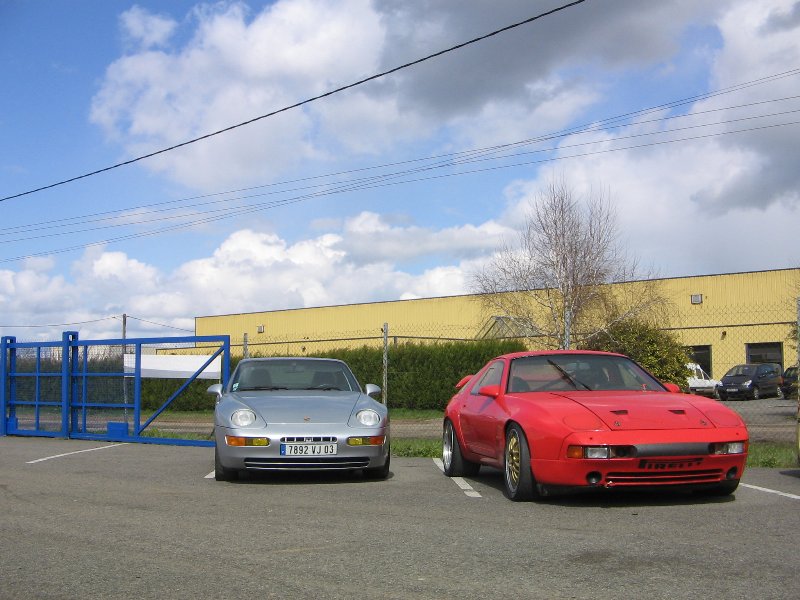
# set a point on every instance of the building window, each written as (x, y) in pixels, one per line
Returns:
(259, 329)
(702, 356)
(697, 298)
(769, 352)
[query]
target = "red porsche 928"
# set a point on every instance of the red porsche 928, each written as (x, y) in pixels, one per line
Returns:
(566, 420)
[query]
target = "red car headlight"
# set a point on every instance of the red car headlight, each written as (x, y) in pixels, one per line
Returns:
(728, 448)
(601, 452)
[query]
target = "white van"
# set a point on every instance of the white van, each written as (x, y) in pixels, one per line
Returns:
(701, 382)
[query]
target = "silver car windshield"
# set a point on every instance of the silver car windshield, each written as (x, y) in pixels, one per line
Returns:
(293, 374)
(569, 372)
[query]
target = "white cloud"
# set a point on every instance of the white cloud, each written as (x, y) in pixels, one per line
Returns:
(367, 237)
(685, 208)
(145, 29)
(760, 40)
(237, 66)
(39, 264)
(233, 69)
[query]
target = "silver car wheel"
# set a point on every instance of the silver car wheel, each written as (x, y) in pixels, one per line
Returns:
(447, 445)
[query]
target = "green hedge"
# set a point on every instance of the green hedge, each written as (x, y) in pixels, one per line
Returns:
(423, 376)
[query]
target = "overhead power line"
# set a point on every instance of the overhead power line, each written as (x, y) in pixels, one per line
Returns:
(117, 317)
(389, 180)
(58, 324)
(301, 103)
(160, 324)
(135, 215)
(238, 206)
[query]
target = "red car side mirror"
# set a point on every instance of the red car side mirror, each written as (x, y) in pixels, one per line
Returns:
(671, 387)
(492, 391)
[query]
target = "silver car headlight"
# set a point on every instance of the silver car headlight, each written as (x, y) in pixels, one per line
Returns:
(243, 417)
(368, 418)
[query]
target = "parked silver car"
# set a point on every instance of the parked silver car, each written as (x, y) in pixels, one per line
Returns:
(290, 414)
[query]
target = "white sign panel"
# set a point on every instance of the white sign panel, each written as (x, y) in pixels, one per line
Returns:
(168, 366)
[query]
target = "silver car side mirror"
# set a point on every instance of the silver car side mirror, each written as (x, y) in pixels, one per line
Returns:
(215, 389)
(372, 390)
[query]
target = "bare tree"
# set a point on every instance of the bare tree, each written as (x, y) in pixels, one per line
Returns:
(552, 284)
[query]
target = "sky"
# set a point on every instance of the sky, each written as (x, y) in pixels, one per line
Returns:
(684, 114)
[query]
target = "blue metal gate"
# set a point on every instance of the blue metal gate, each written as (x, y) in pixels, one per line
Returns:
(82, 389)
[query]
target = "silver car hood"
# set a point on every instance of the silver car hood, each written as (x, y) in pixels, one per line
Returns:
(301, 406)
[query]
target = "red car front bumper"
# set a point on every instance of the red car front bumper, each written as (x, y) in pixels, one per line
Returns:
(658, 461)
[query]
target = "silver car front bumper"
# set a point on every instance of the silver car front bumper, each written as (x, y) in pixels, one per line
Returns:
(271, 458)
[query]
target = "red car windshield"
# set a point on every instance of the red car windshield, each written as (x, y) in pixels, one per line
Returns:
(581, 372)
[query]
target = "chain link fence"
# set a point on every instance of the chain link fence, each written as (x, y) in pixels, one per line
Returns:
(714, 340)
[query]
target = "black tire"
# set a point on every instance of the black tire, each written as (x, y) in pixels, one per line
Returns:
(726, 488)
(379, 472)
(455, 465)
(520, 485)
(222, 473)
(756, 394)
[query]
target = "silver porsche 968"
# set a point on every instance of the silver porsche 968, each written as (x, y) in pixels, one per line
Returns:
(298, 414)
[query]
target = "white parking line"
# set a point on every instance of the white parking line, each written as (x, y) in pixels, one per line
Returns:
(38, 460)
(459, 481)
(769, 491)
(209, 476)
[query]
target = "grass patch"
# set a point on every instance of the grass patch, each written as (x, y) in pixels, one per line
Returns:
(411, 414)
(407, 447)
(176, 435)
(773, 455)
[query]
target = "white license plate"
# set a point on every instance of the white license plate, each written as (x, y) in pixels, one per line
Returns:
(308, 449)
(731, 390)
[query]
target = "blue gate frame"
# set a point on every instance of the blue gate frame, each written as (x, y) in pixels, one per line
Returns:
(74, 374)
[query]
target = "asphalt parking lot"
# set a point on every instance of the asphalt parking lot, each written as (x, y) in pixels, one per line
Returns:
(100, 520)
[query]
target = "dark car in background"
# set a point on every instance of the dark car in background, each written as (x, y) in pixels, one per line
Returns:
(751, 382)
(789, 387)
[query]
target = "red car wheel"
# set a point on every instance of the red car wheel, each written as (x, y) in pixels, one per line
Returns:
(519, 482)
(454, 463)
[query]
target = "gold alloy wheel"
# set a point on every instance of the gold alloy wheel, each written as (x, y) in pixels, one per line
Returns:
(513, 467)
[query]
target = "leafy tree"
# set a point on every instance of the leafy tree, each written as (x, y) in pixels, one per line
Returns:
(656, 350)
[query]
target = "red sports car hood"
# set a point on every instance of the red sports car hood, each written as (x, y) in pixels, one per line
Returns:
(642, 410)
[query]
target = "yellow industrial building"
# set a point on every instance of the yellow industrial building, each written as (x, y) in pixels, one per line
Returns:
(723, 320)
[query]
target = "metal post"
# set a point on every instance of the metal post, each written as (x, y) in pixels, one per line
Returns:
(385, 389)
(124, 382)
(226, 361)
(3, 383)
(67, 339)
(245, 347)
(137, 390)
